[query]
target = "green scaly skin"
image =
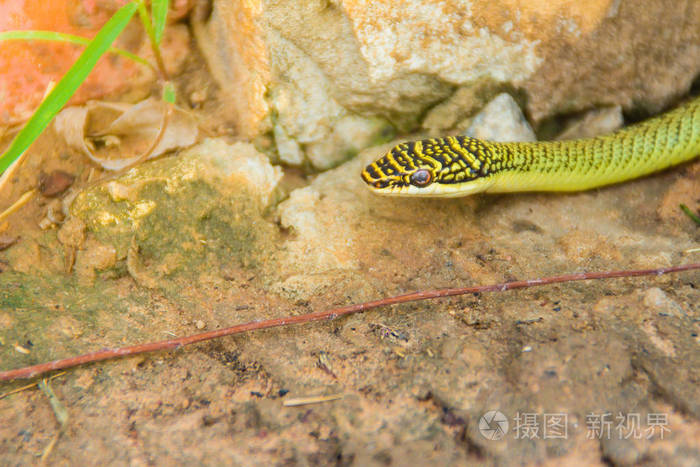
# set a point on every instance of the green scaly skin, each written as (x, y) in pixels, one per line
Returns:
(459, 165)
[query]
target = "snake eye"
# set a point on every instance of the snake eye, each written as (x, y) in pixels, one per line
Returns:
(421, 178)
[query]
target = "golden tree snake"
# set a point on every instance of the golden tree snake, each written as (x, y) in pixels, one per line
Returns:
(459, 165)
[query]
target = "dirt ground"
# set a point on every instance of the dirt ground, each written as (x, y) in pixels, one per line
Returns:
(591, 373)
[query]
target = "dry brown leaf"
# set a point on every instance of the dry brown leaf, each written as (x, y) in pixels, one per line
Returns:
(115, 135)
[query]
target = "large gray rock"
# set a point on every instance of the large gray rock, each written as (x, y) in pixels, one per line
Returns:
(298, 70)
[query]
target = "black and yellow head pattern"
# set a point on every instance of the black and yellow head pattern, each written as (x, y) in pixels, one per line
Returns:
(438, 167)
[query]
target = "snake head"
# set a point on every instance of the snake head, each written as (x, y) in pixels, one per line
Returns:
(396, 173)
(440, 167)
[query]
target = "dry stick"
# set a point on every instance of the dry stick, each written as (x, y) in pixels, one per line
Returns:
(165, 121)
(30, 371)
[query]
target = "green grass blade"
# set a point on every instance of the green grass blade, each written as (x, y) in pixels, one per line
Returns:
(695, 218)
(70, 82)
(159, 13)
(146, 23)
(31, 35)
(169, 92)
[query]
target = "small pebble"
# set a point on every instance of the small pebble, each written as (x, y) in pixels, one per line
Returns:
(198, 97)
(54, 212)
(46, 224)
(199, 324)
(596, 122)
(6, 241)
(21, 349)
(501, 120)
(55, 183)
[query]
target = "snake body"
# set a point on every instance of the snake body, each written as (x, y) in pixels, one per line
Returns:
(460, 165)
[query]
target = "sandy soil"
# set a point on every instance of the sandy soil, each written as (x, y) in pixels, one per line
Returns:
(413, 380)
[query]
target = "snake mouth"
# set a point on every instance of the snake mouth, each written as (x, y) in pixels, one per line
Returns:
(435, 190)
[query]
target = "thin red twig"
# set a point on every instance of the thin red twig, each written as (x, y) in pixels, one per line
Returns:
(31, 371)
